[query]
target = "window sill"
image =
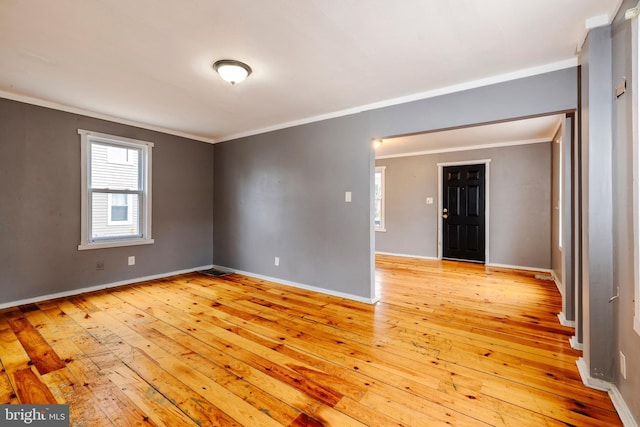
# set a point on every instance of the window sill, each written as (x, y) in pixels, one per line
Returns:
(114, 244)
(384, 230)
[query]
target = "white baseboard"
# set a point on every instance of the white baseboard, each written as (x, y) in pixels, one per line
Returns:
(614, 394)
(621, 407)
(99, 287)
(407, 255)
(519, 267)
(558, 283)
(564, 322)
(302, 286)
(590, 381)
(575, 344)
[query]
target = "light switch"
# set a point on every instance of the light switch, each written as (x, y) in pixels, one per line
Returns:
(347, 196)
(429, 200)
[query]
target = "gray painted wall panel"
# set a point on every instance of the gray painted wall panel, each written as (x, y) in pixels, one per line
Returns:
(535, 95)
(598, 226)
(520, 204)
(556, 252)
(40, 209)
(282, 194)
(625, 338)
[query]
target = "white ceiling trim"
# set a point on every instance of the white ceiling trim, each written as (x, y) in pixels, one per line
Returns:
(467, 148)
(595, 22)
(527, 72)
(81, 111)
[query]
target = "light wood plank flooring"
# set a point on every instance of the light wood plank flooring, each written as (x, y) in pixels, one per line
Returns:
(448, 344)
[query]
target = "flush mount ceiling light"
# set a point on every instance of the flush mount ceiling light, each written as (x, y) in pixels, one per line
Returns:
(231, 70)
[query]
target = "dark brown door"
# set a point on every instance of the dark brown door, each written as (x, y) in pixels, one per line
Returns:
(463, 219)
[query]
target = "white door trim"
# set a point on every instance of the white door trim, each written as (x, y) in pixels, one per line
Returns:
(487, 217)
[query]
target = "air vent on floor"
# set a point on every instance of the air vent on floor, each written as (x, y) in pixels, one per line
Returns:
(213, 272)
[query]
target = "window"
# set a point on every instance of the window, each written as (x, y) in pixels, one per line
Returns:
(378, 217)
(116, 191)
(560, 185)
(119, 210)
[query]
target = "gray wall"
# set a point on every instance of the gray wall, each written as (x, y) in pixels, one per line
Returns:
(520, 200)
(40, 205)
(298, 192)
(282, 194)
(625, 338)
(597, 267)
(556, 252)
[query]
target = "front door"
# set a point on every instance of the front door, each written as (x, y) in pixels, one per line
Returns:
(463, 218)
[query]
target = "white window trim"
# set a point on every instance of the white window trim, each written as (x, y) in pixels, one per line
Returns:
(381, 227)
(129, 219)
(86, 138)
(635, 43)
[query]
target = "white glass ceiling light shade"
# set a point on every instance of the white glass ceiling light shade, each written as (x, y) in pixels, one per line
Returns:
(232, 71)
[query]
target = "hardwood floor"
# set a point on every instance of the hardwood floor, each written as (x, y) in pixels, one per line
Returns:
(448, 343)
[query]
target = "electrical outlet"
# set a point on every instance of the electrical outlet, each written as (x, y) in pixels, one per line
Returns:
(347, 196)
(132, 260)
(100, 265)
(276, 262)
(623, 365)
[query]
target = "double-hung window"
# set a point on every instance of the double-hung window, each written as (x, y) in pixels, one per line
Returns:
(116, 191)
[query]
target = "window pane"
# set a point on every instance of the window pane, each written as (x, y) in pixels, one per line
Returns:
(119, 213)
(118, 155)
(378, 185)
(112, 220)
(119, 200)
(114, 175)
(378, 212)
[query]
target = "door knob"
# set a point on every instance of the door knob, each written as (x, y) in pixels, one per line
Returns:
(445, 216)
(445, 210)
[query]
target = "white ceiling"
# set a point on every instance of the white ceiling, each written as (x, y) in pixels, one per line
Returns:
(517, 132)
(149, 61)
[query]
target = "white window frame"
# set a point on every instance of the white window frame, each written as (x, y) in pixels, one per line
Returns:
(129, 205)
(382, 171)
(145, 147)
(635, 43)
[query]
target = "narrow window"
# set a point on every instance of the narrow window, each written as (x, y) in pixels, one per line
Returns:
(379, 199)
(560, 185)
(116, 191)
